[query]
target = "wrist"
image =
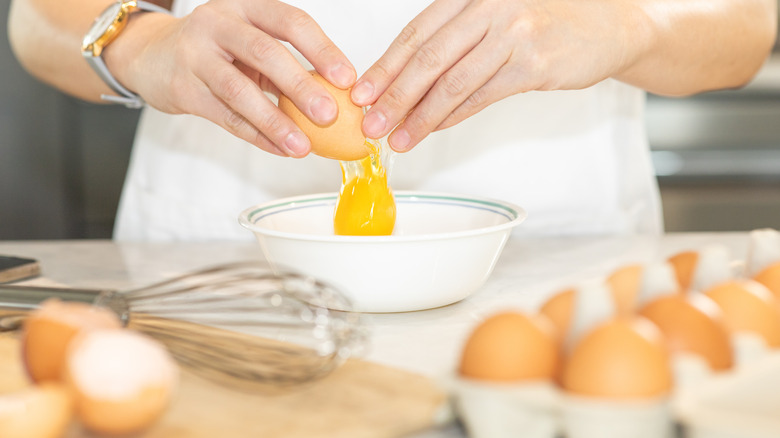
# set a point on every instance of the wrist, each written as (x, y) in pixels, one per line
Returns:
(639, 33)
(123, 56)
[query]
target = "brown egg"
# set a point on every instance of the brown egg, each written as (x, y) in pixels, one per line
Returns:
(770, 277)
(684, 264)
(40, 411)
(625, 284)
(511, 346)
(692, 324)
(559, 310)
(624, 358)
(49, 330)
(122, 381)
(748, 306)
(343, 139)
(763, 259)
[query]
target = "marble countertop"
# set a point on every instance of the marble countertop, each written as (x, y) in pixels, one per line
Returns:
(427, 342)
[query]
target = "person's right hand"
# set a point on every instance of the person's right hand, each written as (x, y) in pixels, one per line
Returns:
(217, 61)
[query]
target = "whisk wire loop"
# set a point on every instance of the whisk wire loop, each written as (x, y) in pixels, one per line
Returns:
(242, 323)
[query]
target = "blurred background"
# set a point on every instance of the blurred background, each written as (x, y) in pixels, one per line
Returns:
(63, 161)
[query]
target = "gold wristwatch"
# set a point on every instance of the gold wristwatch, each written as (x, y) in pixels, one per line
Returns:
(107, 26)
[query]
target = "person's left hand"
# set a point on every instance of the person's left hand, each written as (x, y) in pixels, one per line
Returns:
(459, 56)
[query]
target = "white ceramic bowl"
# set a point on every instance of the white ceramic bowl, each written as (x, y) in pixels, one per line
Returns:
(443, 247)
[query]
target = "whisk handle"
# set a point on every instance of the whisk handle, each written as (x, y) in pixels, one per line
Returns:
(29, 297)
(18, 300)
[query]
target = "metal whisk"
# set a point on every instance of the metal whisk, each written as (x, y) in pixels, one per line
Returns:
(240, 324)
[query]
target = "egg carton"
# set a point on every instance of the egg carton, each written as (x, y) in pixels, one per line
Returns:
(742, 403)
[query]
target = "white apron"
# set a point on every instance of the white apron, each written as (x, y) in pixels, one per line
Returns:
(577, 161)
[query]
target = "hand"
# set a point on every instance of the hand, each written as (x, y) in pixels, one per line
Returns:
(217, 61)
(459, 56)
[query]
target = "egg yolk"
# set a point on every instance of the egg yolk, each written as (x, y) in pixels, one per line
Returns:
(365, 206)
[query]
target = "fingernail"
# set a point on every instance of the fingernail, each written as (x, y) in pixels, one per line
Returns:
(324, 110)
(362, 93)
(343, 75)
(297, 144)
(399, 140)
(374, 124)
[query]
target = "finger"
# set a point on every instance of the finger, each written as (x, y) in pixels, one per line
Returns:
(424, 69)
(221, 114)
(448, 93)
(378, 77)
(269, 87)
(295, 26)
(493, 91)
(261, 52)
(265, 84)
(246, 104)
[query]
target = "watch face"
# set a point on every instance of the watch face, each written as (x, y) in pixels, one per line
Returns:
(102, 23)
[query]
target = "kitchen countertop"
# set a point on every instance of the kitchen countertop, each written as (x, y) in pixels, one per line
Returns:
(426, 342)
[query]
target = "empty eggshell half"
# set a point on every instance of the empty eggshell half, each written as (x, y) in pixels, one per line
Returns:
(122, 381)
(343, 139)
(40, 411)
(50, 328)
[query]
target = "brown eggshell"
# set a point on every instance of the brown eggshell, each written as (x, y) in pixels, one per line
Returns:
(122, 381)
(41, 411)
(559, 310)
(511, 346)
(123, 417)
(684, 264)
(625, 284)
(625, 358)
(748, 306)
(770, 277)
(343, 139)
(693, 325)
(48, 331)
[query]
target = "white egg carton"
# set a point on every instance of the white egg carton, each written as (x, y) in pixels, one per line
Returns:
(743, 403)
(503, 410)
(539, 410)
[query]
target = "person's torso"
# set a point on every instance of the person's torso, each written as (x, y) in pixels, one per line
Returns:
(577, 161)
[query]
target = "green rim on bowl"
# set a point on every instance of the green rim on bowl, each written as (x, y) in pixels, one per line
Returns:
(513, 214)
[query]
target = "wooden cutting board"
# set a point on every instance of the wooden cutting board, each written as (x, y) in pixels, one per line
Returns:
(360, 399)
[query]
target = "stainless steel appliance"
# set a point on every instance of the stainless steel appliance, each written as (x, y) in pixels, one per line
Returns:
(717, 155)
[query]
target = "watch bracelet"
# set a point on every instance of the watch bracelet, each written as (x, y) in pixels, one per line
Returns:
(124, 96)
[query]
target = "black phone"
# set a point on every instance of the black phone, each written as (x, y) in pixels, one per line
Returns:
(17, 268)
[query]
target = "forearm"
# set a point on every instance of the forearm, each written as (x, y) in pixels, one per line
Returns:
(46, 37)
(689, 46)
